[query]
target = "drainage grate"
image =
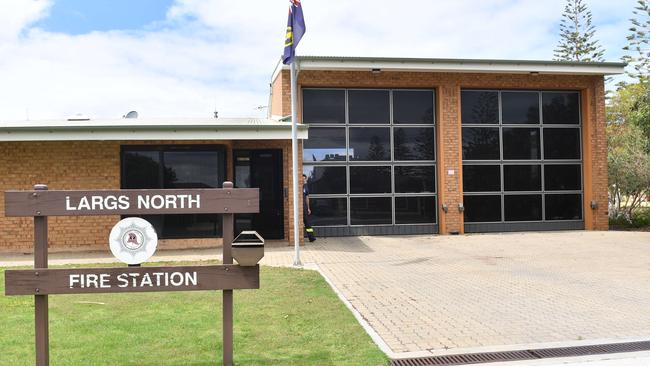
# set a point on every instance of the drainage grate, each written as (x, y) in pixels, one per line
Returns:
(469, 358)
(592, 350)
(474, 358)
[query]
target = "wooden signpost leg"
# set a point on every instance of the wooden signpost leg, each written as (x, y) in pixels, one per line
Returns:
(228, 234)
(40, 301)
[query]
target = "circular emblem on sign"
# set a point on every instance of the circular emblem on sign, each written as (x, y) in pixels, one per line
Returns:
(133, 240)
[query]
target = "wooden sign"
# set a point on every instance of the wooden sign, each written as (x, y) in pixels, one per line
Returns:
(41, 281)
(45, 281)
(131, 202)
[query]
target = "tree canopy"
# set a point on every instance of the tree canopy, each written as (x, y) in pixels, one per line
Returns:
(638, 53)
(577, 35)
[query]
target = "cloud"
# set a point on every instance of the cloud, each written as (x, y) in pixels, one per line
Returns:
(108, 74)
(16, 15)
(181, 68)
(220, 54)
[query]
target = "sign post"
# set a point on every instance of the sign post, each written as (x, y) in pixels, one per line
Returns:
(41, 318)
(132, 241)
(228, 234)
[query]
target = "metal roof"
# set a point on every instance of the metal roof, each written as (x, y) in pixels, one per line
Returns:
(150, 129)
(454, 65)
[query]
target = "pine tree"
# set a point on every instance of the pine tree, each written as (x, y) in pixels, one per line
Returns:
(577, 42)
(638, 52)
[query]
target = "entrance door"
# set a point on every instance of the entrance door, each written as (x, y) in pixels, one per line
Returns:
(261, 169)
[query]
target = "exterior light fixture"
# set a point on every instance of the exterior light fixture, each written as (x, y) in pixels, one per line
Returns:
(461, 208)
(594, 205)
(248, 248)
(445, 208)
(375, 71)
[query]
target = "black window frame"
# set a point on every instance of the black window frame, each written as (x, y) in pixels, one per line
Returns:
(161, 149)
(319, 122)
(542, 161)
(392, 162)
(321, 128)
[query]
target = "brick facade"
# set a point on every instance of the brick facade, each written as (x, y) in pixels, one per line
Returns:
(448, 86)
(93, 165)
(96, 164)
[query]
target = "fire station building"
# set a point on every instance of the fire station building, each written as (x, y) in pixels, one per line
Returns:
(390, 146)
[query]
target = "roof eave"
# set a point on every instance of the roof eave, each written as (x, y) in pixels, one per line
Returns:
(122, 133)
(458, 65)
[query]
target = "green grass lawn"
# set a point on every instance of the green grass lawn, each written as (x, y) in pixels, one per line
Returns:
(293, 319)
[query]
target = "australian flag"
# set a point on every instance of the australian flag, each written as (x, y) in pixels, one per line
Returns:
(295, 31)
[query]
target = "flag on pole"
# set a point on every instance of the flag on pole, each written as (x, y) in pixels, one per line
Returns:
(295, 31)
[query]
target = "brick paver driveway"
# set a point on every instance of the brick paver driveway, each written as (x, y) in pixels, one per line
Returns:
(429, 293)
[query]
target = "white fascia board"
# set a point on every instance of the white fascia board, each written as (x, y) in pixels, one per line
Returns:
(157, 123)
(152, 134)
(278, 68)
(462, 67)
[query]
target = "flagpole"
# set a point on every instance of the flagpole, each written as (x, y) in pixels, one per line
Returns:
(294, 162)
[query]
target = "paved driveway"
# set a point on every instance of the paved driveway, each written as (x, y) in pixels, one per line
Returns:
(442, 294)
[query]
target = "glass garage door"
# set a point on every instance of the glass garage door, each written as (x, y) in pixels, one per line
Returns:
(370, 161)
(522, 160)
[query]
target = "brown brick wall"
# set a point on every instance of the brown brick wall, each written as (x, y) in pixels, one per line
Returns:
(71, 165)
(89, 165)
(281, 101)
(448, 86)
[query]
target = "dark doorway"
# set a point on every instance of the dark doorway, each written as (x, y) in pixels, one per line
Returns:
(261, 169)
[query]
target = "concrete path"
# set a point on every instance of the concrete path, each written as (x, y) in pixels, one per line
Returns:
(432, 295)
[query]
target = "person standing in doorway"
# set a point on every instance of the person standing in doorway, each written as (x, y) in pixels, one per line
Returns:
(306, 210)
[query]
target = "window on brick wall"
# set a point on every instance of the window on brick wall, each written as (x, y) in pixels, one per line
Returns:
(370, 157)
(521, 156)
(176, 166)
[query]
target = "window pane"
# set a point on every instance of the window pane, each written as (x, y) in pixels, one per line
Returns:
(520, 107)
(415, 210)
(323, 106)
(368, 106)
(521, 143)
(183, 166)
(480, 143)
(369, 143)
(413, 106)
(191, 169)
(324, 144)
(479, 106)
(562, 177)
(242, 169)
(415, 179)
(414, 143)
(328, 211)
(325, 179)
(563, 206)
(141, 169)
(522, 178)
(370, 179)
(191, 226)
(561, 143)
(527, 207)
(243, 222)
(482, 208)
(370, 210)
(560, 108)
(481, 178)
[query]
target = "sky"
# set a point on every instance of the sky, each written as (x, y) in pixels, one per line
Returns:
(188, 58)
